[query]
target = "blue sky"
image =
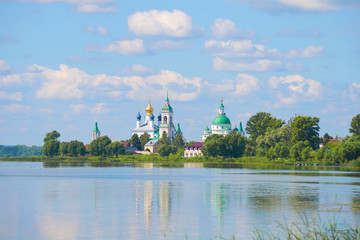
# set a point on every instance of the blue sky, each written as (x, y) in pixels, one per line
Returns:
(65, 64)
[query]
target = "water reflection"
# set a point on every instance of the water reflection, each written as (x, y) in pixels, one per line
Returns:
(149, 201)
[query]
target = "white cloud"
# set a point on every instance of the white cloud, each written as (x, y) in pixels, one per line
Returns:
(64, 83)
(247, 49)
(220, 64)
(160, 23)
(126, 47)
(99, 29)
(4, 66)
(100, 108)
(17, 96)
(301, 5)
(354, 91)
(244, 115)
(170, 44)
(136, 69)
(11, 79)
(243, 85)
(72, 83)
(15, 108)
(93, 8)
(224, 28)
(293, 88)
(102, 30)
(77, 108)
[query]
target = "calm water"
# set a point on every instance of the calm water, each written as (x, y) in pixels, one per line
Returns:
(147, 201)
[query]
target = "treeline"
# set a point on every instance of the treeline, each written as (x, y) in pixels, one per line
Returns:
(297, 140)
(20, 151)
(103, 146)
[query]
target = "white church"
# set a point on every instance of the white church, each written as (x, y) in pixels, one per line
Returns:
(164, 122)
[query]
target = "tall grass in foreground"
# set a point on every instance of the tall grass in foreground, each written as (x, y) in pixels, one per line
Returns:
(310, 229)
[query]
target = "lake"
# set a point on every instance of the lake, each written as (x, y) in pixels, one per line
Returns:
(181, 201)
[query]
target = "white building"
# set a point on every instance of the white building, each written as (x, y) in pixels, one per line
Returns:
(165, 123)
(220, 125)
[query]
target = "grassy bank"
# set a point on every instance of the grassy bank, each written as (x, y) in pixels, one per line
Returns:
(172, 159)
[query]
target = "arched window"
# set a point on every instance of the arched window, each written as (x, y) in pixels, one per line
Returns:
(165, 119)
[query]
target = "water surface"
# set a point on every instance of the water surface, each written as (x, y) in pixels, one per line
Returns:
(155, 201)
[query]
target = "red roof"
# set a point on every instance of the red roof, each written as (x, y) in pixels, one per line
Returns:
(126, 144)
(196, 145)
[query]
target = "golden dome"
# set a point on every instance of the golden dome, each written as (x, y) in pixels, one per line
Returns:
(149, 109)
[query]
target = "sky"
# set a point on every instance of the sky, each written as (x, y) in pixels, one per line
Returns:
(66, 64)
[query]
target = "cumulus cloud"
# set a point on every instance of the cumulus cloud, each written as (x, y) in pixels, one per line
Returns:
(354, 91)
(160, 23)
(8, 80)
(224, 28)
(242, 85)
(170, 44)
(301, 5)
(4, 66)
(72, 83)
(126, 47)
(247, 49)
(220, 64)
(17, 96)
(292, 88)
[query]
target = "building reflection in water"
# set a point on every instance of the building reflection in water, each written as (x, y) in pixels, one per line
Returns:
(193, 165)
(148, 202)
(167, 204)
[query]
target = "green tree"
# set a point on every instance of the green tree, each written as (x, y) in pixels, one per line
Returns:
(306, 128)
(144, 139)
(51, 148)
(260, 123)
(179, 140)
(52, 135)
(115, 148)
(232, 145)
(296, 150)
(353, 139)
(63, 149)
(164, 150)
(270, 154)
(306, 153)
(164, 138)
(281, 150)
(135, 141)
(76, 148)
(235, 145)
(355, 125)
(211, 146)
(97, 147)
(326, 138)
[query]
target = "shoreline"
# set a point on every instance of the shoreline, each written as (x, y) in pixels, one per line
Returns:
(175, 160)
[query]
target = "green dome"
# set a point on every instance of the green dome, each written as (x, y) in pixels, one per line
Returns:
(221, 119)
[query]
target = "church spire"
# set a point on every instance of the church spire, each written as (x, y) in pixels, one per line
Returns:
(221, 108)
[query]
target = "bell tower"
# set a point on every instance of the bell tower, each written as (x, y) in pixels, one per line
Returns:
(167, 124)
